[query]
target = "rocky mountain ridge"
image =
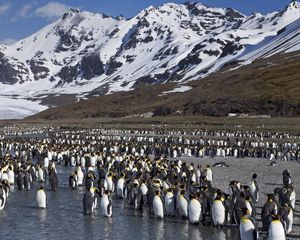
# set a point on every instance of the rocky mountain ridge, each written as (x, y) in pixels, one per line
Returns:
(84, 54)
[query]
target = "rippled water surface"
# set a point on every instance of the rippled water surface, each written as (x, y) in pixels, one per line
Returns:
(64, 219)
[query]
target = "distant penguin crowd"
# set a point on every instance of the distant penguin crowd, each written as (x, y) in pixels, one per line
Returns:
(142, 168)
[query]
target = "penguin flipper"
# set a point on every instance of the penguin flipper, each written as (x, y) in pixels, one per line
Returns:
(2, 202)
(255, 234)
(109, 205)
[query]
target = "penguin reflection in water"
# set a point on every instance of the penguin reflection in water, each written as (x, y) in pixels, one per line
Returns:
(41, 200)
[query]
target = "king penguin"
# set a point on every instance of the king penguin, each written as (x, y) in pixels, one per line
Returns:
(194, 209)
(248, 226)
(269, 209)
(79, 176)
(88, 202)
(182, 204)
(109, 182)
(276, 229)
(120, 186)
(170, 202)
(2, 198)
(41, 197)
(11, 175)
(218, 211)
(254, 189)
(73, 180)
(287, 214)
(106, 204)
(158, 207)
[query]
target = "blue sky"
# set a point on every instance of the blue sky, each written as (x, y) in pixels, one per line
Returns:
(20, 18)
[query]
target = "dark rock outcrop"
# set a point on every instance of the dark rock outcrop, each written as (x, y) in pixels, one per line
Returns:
(91, 66)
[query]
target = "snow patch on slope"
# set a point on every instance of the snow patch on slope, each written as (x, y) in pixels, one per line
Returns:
(11, 108)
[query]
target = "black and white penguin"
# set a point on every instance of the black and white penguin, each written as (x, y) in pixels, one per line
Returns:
(6, 187)
(248, 226)
(144, 192)
(208, 173)
(120, 186)
(3, 198)
(90, 179)
(235, 190)
(269, 209)
(220, 164)
(11, 175)
(106, 204)
(41, 173)
(170, 202)
(218, 211)
(194, 210)
(109, 183)
(276, 229)
(20, 180)
(88, 202)
(254, 189)
(27, 181)
(73, 180)
(287, 177)
(80, 176)
(158, 207)
(250, 205)
(240, 203)
(228, 204)
(182, 204)
(53, 179)
(286, 213)
(41, 197)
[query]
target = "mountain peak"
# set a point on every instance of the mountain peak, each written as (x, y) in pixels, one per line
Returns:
(71, 12)
(230, 12)
(293, 5)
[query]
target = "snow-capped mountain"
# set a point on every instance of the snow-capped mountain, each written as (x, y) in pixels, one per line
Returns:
(86, 54)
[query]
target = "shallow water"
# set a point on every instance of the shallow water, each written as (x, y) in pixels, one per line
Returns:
(64, 219)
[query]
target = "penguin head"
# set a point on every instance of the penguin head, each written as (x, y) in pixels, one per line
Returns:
(245, 211)
(254, 176)
(192, 196)
(135, 185)
(232, 183)
(204, 178)
(227, 196)
(41, 187)
(270, 197)
(157, 192)
(276, 217)
(248, 198)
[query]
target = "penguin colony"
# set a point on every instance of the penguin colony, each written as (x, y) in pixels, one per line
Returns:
(116, 164)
